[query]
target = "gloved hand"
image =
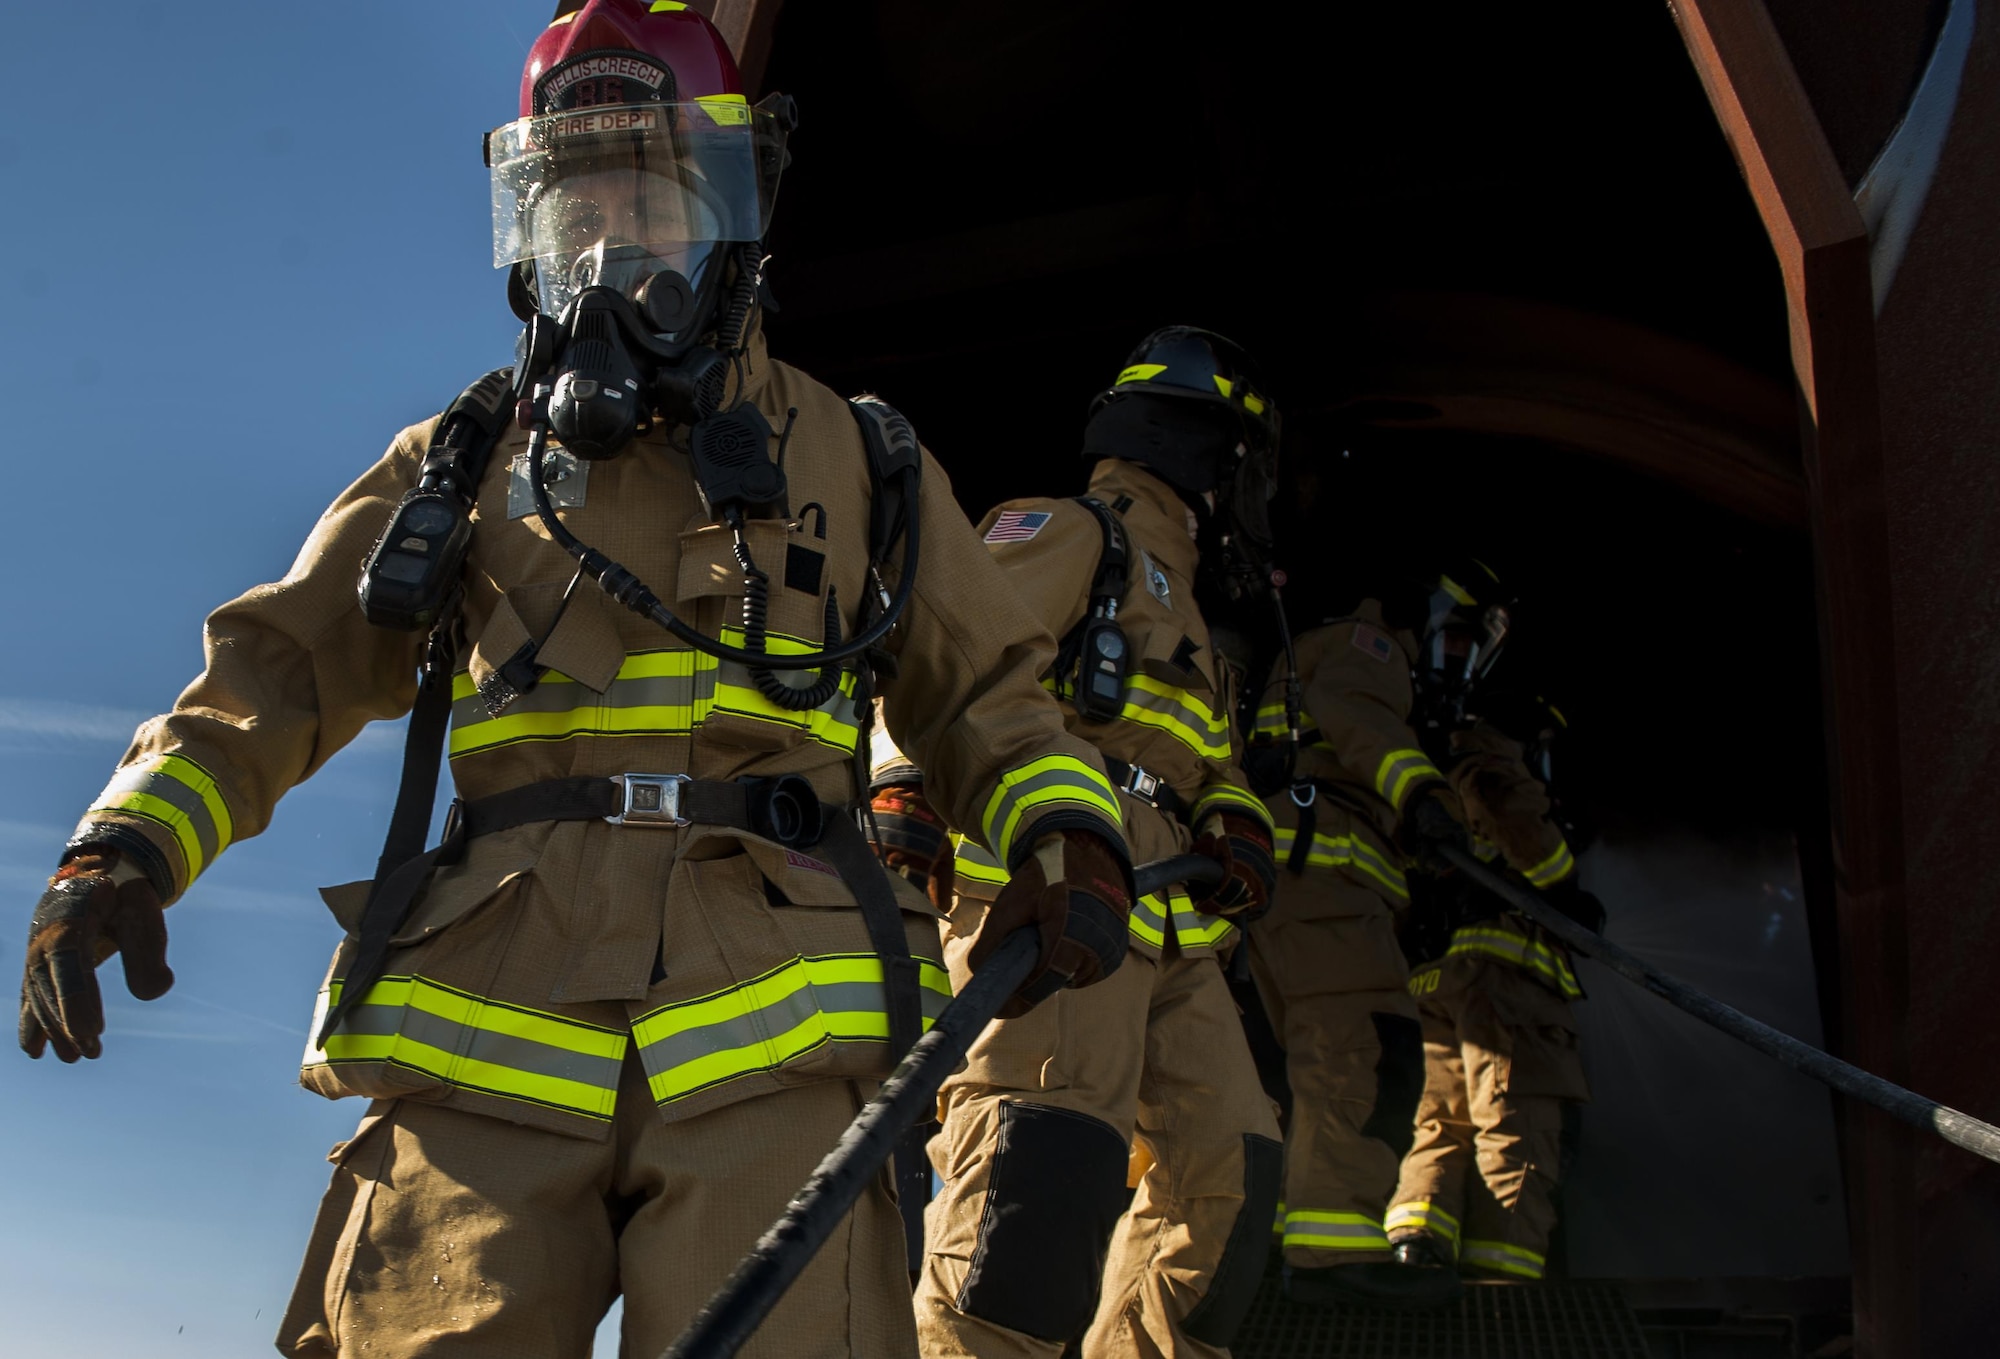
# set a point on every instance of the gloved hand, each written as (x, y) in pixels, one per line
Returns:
(909, 837)
(95, 906)
(1075, 889)
(1243, 847)
(1432, 822)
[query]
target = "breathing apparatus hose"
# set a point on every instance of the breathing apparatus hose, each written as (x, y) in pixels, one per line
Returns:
(733, 1314)
(628, 590)
(1962, 1130)
(756, 607)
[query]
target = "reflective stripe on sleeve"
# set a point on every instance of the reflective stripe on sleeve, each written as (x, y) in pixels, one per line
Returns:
(1053, 778)
(477, 1044)
(1501, 1258)
(773, 1020)
(1423, 1214)
(1400, 772)
(1334, 1231)
(1227, 797)
(175, 792)
(1553, 869)
(1511, 946)
(1346, 851)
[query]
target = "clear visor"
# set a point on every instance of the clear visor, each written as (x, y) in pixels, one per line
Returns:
(637, 181)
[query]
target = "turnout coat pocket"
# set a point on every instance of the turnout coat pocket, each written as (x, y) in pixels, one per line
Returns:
(772, 980)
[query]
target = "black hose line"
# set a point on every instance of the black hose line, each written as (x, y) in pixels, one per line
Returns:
(628, 590)
(909, 1095)
(1981, 1139)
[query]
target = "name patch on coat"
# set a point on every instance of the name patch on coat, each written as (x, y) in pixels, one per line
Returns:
(1017, 526)
(798, 860)
(1373, 641)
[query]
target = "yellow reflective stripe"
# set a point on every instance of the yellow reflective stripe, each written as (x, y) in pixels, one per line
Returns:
(1554, 868)
(976, 863)
(1456, 591)
(1400, 771)
(1345, 851)
(1228, 797)
(666, 692)
(728, 110)
(762, 1024)
(1509, 946)
(1334, 1231)
(1150, 703)
(1424, 1214)
(670, 6)
(1502, 1258)
(1053, 778)
(181, 796)
(1148, 920)
(478, 1044)
(1140, 372)
(1191, 927)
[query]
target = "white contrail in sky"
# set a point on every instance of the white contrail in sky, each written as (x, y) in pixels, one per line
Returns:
(52, 722)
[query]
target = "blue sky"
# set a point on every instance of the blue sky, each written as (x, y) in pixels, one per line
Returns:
(243, 245)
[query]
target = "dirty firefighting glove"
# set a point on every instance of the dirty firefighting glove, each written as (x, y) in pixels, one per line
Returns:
(909, 838)
(95, 907)
(1431, 823)
(1250, 872)
(1076, 890)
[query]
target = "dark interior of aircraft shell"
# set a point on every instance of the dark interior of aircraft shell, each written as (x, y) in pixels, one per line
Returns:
(1515, 302)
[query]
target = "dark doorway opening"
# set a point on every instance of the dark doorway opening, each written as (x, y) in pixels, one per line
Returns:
(1515, 300)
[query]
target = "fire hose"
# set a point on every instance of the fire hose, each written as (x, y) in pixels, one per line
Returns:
(910, 1094)
(1963, 1130)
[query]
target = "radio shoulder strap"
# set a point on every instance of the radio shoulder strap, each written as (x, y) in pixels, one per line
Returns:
(460, 448)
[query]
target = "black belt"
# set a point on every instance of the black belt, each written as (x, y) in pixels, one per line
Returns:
(1147, 786)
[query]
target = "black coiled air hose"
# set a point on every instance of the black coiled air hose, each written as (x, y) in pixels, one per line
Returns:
(635, 595)
(756, 608)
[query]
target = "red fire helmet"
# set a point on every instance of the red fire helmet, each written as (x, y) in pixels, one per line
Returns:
(636, 152)
(615, 52)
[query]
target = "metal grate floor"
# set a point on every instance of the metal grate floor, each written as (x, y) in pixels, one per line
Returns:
(1491, 1321)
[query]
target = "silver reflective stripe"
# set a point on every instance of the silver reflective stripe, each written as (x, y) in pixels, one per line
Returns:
(478, 1045)
(1052, 778)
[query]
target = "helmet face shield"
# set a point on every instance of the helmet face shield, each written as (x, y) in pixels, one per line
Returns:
(612, 196)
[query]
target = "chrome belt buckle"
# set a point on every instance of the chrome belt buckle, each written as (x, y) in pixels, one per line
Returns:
(650, 800)
(1143, 785)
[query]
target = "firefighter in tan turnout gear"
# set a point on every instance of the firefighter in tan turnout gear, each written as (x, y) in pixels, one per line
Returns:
(1031, 1244)
(1500, 1046)
(1362, 797)
(614, 1020)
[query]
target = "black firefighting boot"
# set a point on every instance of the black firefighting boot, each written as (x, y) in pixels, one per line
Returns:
(1379, 1283)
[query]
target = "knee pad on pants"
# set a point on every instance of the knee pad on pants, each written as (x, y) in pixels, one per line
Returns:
(1214, 1319)
(1056, 1191)
(1399, 1082)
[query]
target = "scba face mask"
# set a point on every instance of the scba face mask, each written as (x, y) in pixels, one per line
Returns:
(613, 197)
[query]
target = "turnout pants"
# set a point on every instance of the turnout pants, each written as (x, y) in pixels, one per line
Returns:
(1030, 1239)
(1332, 979)
(454, 1233)
(1501, 1059)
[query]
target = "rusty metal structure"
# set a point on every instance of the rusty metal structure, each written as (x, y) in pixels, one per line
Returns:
(1694, 308)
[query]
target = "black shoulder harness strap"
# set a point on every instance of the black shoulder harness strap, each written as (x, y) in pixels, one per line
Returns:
(460, 447)
(892, 452)
(1107, 587)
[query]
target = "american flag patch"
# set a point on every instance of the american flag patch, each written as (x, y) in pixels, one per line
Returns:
(1017, 526)
(1373, 641)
